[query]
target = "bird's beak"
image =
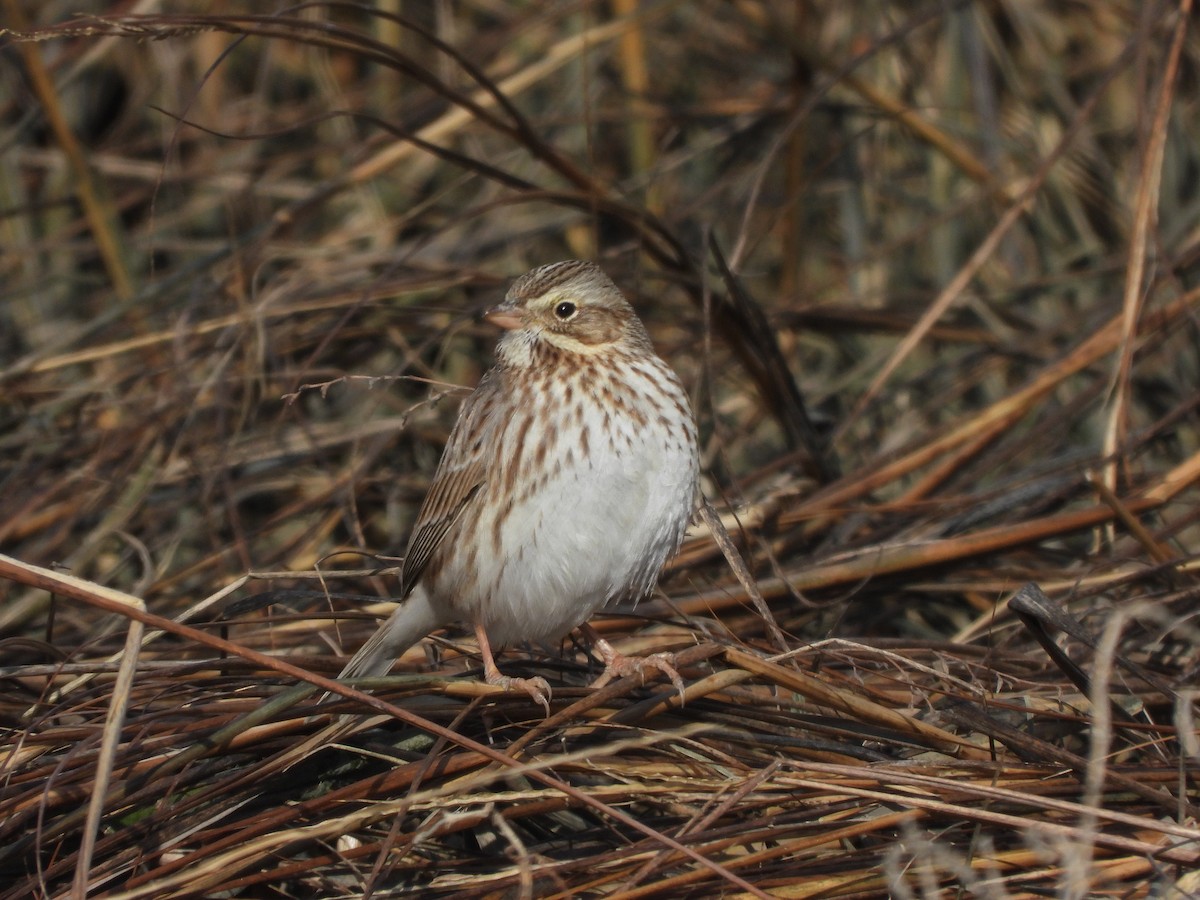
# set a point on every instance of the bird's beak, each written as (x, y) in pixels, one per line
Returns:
(505, 317)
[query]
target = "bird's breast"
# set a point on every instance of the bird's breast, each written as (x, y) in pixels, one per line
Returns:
(590, 490)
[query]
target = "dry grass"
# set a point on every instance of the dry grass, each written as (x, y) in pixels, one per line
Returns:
(931, 273)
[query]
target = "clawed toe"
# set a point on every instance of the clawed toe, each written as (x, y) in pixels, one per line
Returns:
(618, 665)
(537, 688)
(665, 663)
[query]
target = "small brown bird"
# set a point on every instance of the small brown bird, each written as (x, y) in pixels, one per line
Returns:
(568, 480)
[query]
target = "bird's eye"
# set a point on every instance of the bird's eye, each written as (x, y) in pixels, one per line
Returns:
(565, 310)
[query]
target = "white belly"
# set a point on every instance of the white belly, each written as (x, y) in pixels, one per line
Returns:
(596, 530)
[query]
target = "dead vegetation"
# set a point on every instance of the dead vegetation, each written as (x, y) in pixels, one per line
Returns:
(930, 271)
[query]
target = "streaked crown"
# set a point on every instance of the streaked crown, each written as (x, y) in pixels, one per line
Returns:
(572, 306)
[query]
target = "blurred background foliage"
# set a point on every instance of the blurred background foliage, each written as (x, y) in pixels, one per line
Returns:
(211, 205)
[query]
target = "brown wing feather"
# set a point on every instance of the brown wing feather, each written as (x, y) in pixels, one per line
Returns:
(465, 465)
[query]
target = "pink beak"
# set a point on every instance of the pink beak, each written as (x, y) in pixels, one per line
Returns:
(505, 318)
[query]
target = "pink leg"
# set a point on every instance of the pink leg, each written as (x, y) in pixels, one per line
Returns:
(617, 664)
(537, 688)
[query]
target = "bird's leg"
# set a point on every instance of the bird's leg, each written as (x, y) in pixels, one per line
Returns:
(617, 664)
(537, 688)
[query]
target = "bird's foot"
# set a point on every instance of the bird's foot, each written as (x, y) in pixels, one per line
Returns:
(537, 688)
(618, 665)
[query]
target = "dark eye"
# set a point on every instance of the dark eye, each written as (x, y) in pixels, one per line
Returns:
(565, 310)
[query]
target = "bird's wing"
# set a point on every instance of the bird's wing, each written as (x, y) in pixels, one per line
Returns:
(460, 474)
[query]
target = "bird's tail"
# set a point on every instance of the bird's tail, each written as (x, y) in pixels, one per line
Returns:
(412, 620)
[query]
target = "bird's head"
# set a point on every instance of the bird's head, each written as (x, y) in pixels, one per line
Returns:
(572, 307)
